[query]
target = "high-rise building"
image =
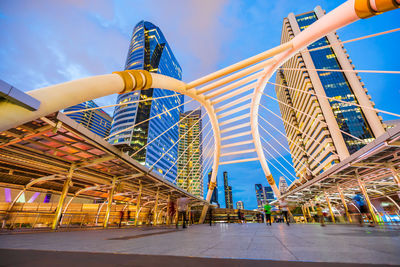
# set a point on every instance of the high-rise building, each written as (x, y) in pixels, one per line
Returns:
(269, 194)
(149, 50)
(261, 196)
(96, 120)
(214, 196)
(190, 171)
(240, 205)
(283, 186)
(228, 192)
(322, 131)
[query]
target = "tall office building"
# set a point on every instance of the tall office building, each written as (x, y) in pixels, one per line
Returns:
(228, 192)
(97, 121)
(283, 186)
(261, 196)
(214, 196)
(190, 160)
(269, 194)
(149, 51)
(328, 130)
(240, 205)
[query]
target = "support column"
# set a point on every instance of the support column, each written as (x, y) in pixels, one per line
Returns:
(109, 203)
(364, 192)
(307, 208)
(344, 203)
(304, 213)
(168, 209)
(138, 199)
(211, 187)
(330, 207)
(156, 207)
(64, 193)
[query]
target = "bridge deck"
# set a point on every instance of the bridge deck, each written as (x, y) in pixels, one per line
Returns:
(298, 242)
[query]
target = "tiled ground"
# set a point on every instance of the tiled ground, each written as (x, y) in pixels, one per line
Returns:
(334, 243)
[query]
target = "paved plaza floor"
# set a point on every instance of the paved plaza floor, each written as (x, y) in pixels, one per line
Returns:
(294, 244)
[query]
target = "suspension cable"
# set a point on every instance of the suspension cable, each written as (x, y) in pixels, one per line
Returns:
(315, 118)
(120, 104)
(208, 163)
(177, 142)
(296, 160)
(193, 184)
(193, 154)
(273, 148)
(287, 138)
(194, 139)
(334, 99)
(143, 147)
(294, 126)
(346, 70)
(155, 116)
(295, 178)
(355, 39)
(208, 155)
(270, 163)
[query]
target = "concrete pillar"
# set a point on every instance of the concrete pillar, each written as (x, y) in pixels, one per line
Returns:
(138, 199)
(330, 207)
(364, 192)
(109, 203)
(344, 203)
(156, 207)
(64, 193)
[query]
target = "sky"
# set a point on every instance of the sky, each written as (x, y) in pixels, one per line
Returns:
(49, 42)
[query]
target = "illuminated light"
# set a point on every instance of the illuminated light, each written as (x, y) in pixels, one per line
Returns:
(34, 197)
(21, 199)
(7, 194)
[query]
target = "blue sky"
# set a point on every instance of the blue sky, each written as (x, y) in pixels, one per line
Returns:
(48, 42)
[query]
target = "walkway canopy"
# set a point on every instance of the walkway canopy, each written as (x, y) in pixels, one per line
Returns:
(37, 156)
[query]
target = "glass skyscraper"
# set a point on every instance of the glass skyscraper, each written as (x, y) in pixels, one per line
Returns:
(97, 121)
(321, 131)
(228, 192)
(261, 196)
(149, 51)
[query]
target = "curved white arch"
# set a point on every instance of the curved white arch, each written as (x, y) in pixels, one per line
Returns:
(61, 96)
(337, 18)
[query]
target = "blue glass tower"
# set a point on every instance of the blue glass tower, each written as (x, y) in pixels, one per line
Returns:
(149, 51)
(314, 87)
(349, 118)
(97, 121)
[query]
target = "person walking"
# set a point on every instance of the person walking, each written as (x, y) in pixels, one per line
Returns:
(239, 214)
(362, 206)
(267, 210)
(121, 217)
(182, 204)
(320, 214)
(284, 208)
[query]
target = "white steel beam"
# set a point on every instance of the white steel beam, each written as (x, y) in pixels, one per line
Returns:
(233, 111)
